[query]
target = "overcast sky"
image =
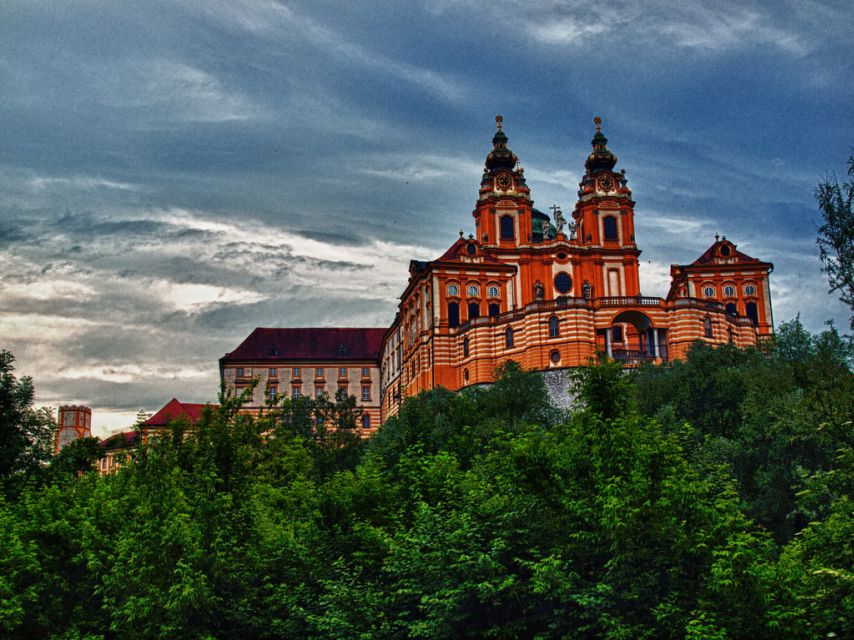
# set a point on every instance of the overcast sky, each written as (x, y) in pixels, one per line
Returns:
(175, 174)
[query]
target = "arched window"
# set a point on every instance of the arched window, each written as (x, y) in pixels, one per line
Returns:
(507, 232)
(494, 309)
(508, 338)
(474, 310)
(466, 347)
(453, 314)
(707, 326)
(731, 309)
(609, 225)
(554, 327)
(752, 313)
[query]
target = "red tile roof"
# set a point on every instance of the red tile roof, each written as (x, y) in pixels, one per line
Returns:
(174, 410)
(312, 344)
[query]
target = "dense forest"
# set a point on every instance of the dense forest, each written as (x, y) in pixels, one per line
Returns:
(711, 498)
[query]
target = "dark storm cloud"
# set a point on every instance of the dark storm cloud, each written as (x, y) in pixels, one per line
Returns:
(176, 173)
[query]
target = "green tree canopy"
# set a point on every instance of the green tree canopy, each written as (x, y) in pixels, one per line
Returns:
(836, 234)
(26, 434)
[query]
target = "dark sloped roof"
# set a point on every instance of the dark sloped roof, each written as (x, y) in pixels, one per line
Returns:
(122, 440)
(174, 410)
(459, 249)
(709, 256)
(318, 343)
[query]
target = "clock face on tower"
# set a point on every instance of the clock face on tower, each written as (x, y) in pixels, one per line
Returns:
(504, 182)
(606, 183)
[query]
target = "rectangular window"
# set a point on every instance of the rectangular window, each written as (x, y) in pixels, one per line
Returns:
(318, 372)
(318, 392)
(271, 393)
(296, 392)
(295, 373)
(342, 372)
(366, 393)
(613, 282)
(366, 372)
(273, 372)
(239, 372)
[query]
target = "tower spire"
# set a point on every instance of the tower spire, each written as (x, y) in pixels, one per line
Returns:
(499, 119)
(601, 159)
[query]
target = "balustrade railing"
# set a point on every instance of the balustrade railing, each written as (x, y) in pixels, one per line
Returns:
(633, 356)
(629, 301)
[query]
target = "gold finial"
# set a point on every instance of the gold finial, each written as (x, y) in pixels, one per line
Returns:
(598, 122)
(498, 120)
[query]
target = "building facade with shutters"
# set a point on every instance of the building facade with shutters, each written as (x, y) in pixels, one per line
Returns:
(314, 362)
(546, 293)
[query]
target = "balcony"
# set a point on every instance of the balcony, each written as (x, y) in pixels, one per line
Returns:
(629, 301)
(635, 356)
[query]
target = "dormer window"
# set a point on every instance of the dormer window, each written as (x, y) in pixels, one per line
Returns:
(471, 248)
(725, 250)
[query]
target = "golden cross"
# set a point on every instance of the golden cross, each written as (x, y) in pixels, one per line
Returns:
(498, 120)
(598, 122)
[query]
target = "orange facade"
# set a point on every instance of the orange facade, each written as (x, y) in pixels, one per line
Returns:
(523, 288)
(547, 292)
(74, 422)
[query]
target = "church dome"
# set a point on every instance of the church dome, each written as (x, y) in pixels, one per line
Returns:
(601, 159)
(500, 157)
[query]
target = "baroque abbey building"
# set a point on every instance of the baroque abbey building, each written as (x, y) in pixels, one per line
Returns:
(545, 292)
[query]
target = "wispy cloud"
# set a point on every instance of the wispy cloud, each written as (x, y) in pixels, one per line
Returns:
(174, 90)
(38, 183)
(128, 311)
(701, 26)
